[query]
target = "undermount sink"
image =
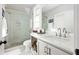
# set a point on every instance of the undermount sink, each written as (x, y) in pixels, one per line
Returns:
(49, 36)
(56, 37)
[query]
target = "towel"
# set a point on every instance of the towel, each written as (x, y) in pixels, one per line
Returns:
(4, 27)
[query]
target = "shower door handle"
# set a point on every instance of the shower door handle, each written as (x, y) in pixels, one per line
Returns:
(4, 42)
(0, 42)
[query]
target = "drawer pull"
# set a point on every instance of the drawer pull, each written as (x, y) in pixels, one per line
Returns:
(77, 51)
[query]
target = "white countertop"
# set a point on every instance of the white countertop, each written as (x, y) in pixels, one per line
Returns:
(64, 44)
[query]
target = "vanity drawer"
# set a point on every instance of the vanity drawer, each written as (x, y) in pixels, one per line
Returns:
(47, 49)
(56, 51)
(42, 48)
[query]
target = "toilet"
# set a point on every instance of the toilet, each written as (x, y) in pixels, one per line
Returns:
(27, 45)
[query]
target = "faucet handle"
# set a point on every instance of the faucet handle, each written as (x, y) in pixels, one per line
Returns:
(56, 34)
(65, 32)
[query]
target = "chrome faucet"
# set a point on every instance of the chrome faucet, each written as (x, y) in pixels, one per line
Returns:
(59, 32)
(64, 31)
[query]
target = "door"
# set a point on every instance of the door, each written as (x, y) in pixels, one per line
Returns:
(76, 35)
(14, 29)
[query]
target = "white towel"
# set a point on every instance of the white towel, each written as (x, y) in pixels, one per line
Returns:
(4, 27)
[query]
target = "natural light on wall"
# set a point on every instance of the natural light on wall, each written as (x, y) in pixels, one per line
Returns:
(37, 20)
(4, 27)
(37, 23)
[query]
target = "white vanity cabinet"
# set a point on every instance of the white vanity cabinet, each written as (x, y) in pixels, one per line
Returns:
(56, 51)
(42, 48)
(47, 49)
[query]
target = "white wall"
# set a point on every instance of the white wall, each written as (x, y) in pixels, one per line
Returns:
(18, 26)
(64, 17)
(65, 20)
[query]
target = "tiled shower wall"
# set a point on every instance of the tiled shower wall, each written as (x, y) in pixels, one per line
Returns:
(18, 27)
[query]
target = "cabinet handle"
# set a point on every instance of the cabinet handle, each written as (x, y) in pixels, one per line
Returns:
(49, 51)
(46, 49)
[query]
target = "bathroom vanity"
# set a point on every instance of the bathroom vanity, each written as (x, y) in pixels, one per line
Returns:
(59, 20)
(52, 45)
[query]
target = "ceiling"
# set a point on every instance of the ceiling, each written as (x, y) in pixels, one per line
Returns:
(21, 7)
(27, 7)
(47, 7)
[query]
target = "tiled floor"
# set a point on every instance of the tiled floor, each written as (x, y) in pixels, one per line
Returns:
(18, 50)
